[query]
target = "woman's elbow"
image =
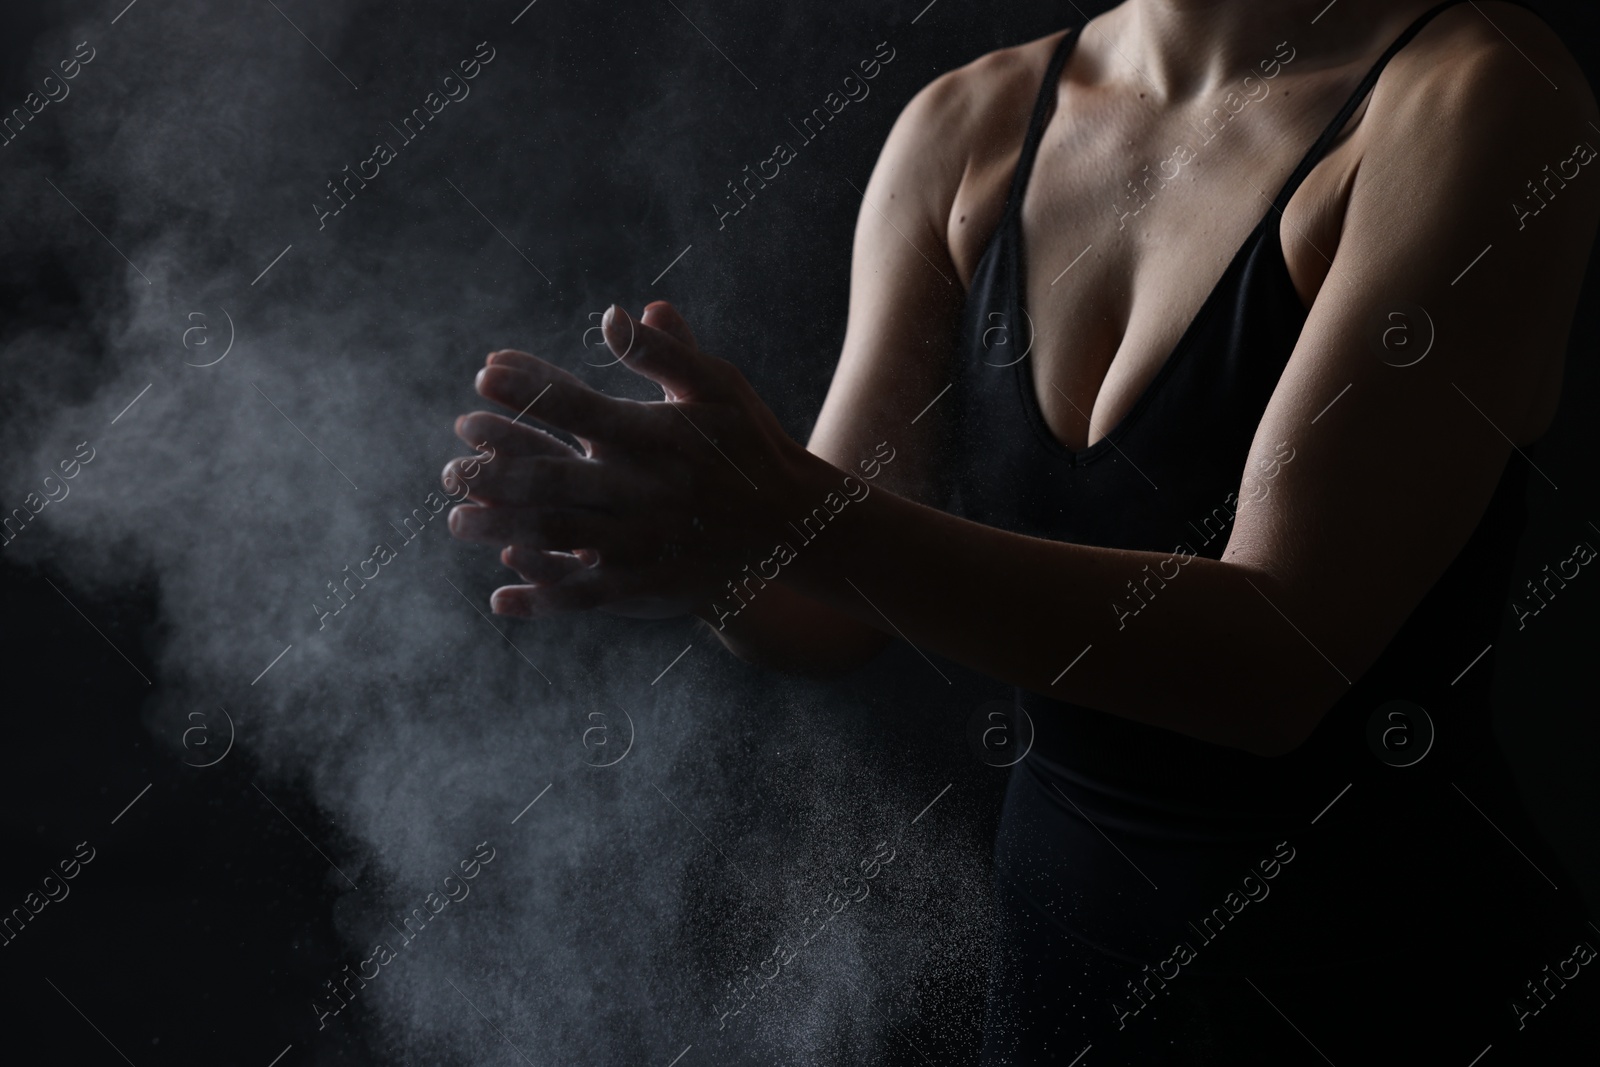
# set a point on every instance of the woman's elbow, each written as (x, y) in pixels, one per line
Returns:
(1281, 724)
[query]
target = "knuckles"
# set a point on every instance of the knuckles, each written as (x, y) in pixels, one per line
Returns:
(732, 376)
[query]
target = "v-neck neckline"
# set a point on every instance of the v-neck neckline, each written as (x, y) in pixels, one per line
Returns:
(1009, 237)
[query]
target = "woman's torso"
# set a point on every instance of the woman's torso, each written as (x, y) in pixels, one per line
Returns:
(1140, 256)
(1195, 312)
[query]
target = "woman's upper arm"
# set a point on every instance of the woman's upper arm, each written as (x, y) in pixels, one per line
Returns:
(905, 301)
(1391, 467)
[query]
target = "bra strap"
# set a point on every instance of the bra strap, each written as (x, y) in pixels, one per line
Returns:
(1042, 107)
(1045, 102)
(1334, 128)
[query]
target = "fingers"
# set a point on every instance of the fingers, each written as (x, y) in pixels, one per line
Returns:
(538, 390)
(665, 353)
(520, 601)
(551, 482)
(662, 316)
(551, 528)
(541, 568)
(511, 438)
(579, 592)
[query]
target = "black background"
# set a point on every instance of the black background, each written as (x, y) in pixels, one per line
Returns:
(203, 921)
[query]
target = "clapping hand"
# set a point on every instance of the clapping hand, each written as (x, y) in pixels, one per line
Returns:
(660, 504)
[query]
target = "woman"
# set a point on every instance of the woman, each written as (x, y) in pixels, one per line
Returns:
(1228, 475)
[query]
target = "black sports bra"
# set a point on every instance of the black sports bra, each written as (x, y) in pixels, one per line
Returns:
(1190, 433)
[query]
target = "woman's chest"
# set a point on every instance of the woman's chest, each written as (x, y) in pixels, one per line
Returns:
(1127, 228)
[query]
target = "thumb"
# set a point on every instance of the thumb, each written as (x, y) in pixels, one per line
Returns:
(664, 352)
(664, 317)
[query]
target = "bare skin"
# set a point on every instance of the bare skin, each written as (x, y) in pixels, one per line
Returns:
(1383, 492)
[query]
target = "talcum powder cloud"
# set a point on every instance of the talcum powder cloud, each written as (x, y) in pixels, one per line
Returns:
(624, 903)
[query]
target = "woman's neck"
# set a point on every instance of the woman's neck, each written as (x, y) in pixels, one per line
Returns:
(1188, 48)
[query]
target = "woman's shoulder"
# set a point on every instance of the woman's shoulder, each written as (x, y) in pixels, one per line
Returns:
(1000, 78)
(1482, 67)
(962, 131)
(982, 106)
(1477, 138)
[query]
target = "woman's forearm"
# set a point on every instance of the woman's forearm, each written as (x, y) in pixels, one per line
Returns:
(1183, 642)
(783, 629)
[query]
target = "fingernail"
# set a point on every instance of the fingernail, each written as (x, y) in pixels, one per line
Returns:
(609, 316)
